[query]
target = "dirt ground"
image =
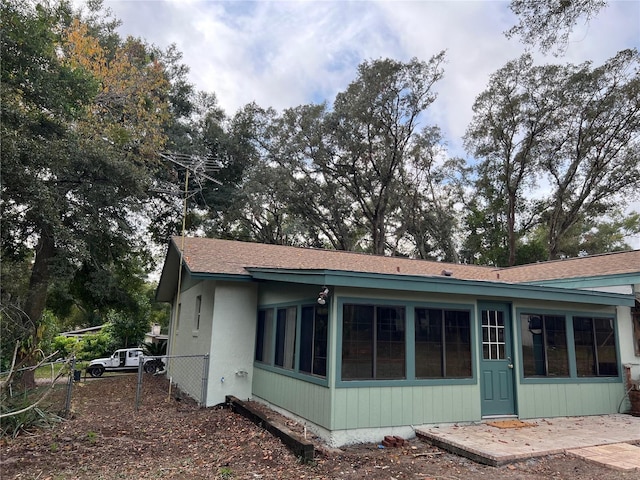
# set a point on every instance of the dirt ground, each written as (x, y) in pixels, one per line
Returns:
(105, 438)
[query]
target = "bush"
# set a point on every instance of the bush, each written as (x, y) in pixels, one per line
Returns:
(66, 346)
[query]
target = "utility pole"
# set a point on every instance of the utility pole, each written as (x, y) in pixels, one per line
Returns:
(200, 168)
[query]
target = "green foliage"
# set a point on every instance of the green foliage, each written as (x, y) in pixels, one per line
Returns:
(87, 347)
(97, 345)
(82, 121)
(341, 177)
(548, 23)
(573, 126)
(66, 346)
(125, 330)
(155, 349)
(32, 419)
(226, 473)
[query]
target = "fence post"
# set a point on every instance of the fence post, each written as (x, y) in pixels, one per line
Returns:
(139, 384)
(205, 380)
(67, 406)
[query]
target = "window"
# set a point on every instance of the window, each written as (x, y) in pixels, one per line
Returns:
(286, 337)
(544, 345)
(373, 342)
(595, 345)
(493, 341)
(264, 336)
(443, 343)
(313, 340)
(196, 318)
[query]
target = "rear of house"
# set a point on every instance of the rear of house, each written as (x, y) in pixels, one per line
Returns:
(360, 346)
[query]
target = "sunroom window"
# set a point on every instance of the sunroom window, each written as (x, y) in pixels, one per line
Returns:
(264, 336)
(443, 343)
(313, 340)
(286, 337)
(595, 345)
(373, 342)
(544, 345)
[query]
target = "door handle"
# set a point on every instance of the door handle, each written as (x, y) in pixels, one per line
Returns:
(510, 364)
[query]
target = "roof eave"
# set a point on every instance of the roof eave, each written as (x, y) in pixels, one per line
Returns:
(437, 284)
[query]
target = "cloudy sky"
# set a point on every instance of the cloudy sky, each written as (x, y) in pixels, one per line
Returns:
(286, 53)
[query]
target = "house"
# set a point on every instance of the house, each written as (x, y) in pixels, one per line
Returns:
(155, 336)
(81, 332)
(361, 346)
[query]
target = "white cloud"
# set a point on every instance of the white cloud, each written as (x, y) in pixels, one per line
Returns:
(285, 53)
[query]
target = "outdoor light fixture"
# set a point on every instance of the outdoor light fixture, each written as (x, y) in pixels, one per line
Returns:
(322, 296)
(535, 325)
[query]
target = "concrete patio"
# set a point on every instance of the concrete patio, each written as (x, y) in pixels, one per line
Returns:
(605, 439)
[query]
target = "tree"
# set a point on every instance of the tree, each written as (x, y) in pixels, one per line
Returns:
(81, 126)
(550, 22)
(591, 156)
(373, 123)
(301, 143)
(518, 107)
(429, 192)
(571, 126)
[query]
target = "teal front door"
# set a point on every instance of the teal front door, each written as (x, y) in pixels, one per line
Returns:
(496, 364)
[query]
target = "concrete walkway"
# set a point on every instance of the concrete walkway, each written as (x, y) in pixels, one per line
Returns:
(604, 439)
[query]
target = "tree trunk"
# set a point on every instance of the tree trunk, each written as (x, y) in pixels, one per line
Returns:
(511, 230)
(36, 301)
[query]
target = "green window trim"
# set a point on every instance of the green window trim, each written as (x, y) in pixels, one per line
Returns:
(374, 342)
(410, 380)
(573, 377)
(443, 343)
(545, 351)
(280, 340)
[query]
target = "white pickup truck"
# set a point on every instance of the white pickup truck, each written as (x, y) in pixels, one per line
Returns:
(125, 359)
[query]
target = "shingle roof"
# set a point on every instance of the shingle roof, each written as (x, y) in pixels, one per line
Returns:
(615, 263)
(214, 256)
(206, 255)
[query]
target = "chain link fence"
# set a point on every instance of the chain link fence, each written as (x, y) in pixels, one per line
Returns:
(187, 376)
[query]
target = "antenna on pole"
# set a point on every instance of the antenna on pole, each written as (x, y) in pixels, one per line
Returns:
(200, 167)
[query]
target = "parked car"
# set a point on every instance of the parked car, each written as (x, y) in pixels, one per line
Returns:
(123, 360)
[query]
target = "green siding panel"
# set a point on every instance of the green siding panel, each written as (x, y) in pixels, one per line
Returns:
(562, 400)
(307, 400)
(378, 407)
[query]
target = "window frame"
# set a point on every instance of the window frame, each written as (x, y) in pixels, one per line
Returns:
(295, 372)
(410, 380)
(287, 331)
(376, 344)
(315, 342)
(444, 343)
(596, 350)
(573, 373)
(544, 338)
(197, 314)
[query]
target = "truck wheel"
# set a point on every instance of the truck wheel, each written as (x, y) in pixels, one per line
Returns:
(150, 367)
(96, 371)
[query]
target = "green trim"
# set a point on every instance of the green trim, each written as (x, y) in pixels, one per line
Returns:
(295, 372)
(323, 382)
(437, 284)
(573, 377)
(409, 380)
(221, 277)
(490, 405)
(622, 279)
